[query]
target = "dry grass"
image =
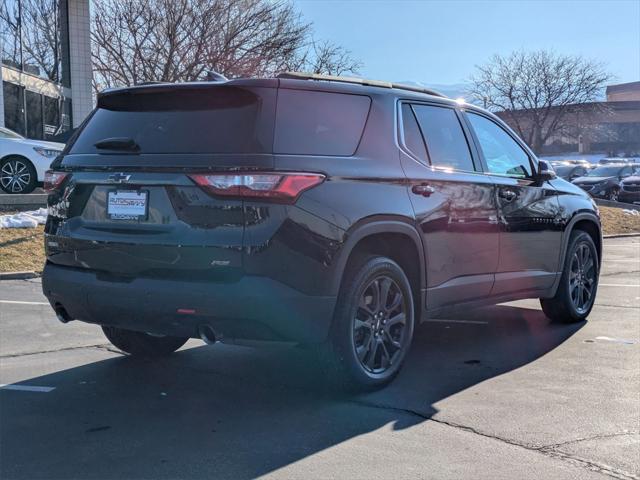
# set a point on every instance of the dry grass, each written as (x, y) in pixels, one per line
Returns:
(614, 220)
(22, 249)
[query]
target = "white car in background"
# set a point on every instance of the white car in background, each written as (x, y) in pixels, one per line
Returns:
(23, 161)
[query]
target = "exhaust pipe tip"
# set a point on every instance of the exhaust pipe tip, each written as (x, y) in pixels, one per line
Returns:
(62, 313)
(207, 334)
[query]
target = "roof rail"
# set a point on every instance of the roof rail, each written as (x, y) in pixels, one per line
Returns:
(149, 82)
(358, 81)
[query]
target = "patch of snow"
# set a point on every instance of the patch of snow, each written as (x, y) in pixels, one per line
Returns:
(24, 219)
(591, 158)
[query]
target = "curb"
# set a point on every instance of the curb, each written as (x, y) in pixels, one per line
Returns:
(18, 275)
(622, 235)
(35, 200)
(609, 203)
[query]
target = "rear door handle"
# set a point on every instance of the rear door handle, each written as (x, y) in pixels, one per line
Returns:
(508, 195)
(425, 190)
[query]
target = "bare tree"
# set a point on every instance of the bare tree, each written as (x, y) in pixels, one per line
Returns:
(10, 31)
(325, 57)
(134, 41)
(536, 89)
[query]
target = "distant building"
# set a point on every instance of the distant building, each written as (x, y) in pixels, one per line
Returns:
(46, 66)
(624, 92)
(611, 127)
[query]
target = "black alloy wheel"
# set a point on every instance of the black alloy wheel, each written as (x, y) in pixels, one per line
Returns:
(576, 292)
(372, 326)
(582, 278)
(379, 325)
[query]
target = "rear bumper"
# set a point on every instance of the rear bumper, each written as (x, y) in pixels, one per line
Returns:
(629, 197)
(256, 308)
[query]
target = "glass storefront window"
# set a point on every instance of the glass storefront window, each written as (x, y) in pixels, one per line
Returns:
(14, 117)
(34, 115)
(9, 34)
(51, 116)
(33, 103)
(32, 34)
(34, 39)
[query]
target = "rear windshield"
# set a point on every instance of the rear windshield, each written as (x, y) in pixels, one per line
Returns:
(223, 119)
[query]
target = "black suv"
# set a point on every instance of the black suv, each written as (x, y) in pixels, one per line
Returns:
(604, 180)
(317, 210)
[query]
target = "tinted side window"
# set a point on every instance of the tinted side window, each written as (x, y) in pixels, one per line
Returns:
(319, 123)
(412, 136)
(446, 144)
(626, 172)
(501, 152)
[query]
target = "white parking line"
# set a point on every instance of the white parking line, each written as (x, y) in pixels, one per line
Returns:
(27, 388)
(617, 285)
(437, 320)
(17, 302)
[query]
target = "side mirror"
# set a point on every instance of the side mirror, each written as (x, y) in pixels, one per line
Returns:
(545, 171)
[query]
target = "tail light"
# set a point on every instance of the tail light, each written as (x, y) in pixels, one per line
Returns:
(52, 180)
(277, 187)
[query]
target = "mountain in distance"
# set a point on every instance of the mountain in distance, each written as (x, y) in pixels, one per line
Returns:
(451, 90)
(460, 90)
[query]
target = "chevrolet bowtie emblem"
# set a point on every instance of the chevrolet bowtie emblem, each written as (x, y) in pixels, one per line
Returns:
(119, 177)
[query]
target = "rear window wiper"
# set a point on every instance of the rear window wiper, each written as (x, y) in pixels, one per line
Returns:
(118, 143)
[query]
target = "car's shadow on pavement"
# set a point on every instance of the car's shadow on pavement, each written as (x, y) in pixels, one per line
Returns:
(238, 412)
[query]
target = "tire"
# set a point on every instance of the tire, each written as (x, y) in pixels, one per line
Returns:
(141, 344)
(613, 194)
(17, 175)
(576, 293)
(359, 327)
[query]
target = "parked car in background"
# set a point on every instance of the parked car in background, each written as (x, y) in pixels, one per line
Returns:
(570, 171)
(23, 162)
(604, 180)
(581, 161)
(333, 212)
(618, 160)
(630, 189)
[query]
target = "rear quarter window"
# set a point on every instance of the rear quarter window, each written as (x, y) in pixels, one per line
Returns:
(319, 123)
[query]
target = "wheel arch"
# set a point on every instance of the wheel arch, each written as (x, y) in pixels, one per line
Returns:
(379, 236)
(18, 155)
(587, 222)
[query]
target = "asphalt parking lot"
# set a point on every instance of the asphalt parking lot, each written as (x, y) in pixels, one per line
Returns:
(494, 393)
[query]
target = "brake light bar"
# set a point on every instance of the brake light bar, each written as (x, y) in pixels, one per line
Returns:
(280, 187)
(52, 180)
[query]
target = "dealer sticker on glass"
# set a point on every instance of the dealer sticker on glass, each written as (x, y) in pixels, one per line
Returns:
(127, 205)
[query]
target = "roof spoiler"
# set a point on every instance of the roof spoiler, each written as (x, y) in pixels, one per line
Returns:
(358, 81)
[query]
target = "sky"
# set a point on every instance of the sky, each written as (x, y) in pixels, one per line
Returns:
(440, 42)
